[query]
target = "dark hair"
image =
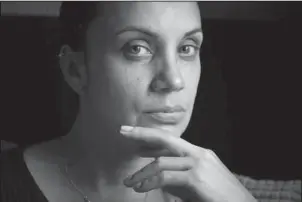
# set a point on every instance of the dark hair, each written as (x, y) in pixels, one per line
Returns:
(74, 19)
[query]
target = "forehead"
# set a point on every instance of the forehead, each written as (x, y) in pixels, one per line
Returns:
(161, 17)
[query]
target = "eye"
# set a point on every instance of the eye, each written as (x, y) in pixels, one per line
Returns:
(188, 50)
(137, 50)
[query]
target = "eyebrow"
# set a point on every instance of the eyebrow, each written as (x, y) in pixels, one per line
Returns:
(151, 33)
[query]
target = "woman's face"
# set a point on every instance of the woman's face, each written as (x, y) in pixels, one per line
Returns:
(143, 64)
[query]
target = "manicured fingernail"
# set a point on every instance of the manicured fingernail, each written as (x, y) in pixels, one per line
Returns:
(127, 128)
(127, 181)
(129, 178)
(139, 185)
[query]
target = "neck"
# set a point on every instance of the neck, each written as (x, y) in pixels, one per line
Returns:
(106, 161)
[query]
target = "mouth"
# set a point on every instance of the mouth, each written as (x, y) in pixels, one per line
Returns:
(167, 115)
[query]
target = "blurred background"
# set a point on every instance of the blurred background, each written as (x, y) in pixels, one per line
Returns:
(248, 104)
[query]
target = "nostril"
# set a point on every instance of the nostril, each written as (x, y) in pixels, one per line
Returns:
(160, 85)
(168, 79)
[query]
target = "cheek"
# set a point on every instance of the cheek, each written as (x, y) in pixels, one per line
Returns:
(117, 90)
(191, 76)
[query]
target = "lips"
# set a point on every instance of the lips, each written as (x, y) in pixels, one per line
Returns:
(166, 115)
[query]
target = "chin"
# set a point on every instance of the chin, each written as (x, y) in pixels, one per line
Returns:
(174, 127)
(175, 130)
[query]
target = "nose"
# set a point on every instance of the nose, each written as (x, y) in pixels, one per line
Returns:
(168, 79)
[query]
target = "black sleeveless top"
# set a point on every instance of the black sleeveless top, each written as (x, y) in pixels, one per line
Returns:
(17, 184)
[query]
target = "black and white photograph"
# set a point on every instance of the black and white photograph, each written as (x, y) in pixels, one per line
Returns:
(151, 101)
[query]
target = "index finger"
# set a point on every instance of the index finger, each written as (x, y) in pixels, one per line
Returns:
(158, 138)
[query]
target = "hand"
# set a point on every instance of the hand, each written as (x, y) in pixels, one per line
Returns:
(183, 169)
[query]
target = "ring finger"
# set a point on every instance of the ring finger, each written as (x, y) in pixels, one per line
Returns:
(163, 179)
(160, 164)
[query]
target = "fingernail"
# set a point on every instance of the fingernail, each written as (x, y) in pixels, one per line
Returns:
(138, 185)
(126, 182)
(129, 178)
(127, 128)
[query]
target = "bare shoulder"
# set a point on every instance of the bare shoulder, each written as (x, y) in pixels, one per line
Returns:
(44, 167)
(43, 162)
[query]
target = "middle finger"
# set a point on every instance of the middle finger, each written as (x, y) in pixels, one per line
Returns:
(160, 164)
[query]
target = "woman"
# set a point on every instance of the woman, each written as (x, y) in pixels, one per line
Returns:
(136, 68)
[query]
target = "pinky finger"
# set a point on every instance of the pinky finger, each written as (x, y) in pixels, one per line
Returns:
(164, 179)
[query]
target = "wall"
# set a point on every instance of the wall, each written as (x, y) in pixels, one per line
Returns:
(209, 10)
(7, 145)
(246, 107)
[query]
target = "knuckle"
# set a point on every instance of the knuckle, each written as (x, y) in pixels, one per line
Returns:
(209, 154)
(193, 162)
(162, 177)
(192, 178)
(188, 179)
(159, 162)
(167, 176)
(197, 152)
(198, 162)
(198, 176)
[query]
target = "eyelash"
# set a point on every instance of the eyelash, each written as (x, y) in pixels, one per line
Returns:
(191, 46)
(128, 48)
(140, 46)
(134, 56)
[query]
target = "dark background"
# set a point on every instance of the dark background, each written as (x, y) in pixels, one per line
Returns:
(248, 104)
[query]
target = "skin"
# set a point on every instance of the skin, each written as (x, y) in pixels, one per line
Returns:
(161, 74)
(116, 85)
(126, 72)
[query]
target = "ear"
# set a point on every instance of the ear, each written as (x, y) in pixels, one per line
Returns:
(72, 65)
